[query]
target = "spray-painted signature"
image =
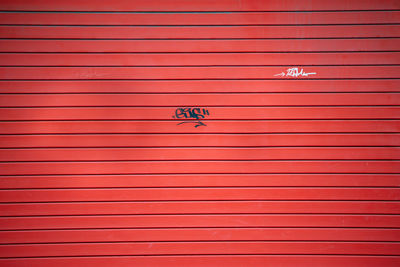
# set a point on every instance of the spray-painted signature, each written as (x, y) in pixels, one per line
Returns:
(191, 113)
(295, 72)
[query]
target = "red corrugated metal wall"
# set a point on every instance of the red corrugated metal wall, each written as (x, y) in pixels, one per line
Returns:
(199, 133)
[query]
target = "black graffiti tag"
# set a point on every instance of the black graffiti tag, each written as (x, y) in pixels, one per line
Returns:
(192, 114)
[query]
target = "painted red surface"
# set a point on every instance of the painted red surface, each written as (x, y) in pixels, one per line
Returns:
(294, 160)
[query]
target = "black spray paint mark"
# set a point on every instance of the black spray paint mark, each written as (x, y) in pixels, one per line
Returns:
(192, 114)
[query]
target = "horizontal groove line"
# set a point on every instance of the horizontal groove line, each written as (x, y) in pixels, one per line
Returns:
(213, 92)
(204, 228)
(214, 106)
(108, 188)
(166, 147)
(244, 79)
(202, 214)
(203, 200)
(162, 255)
(382, 118)
(271, 147)
(206, 120)
(193, 121)
(196, 147)
(218, 93)
(196, 160)
(200, 92)
(3, 24)
(118, 174)
(200, 25)
(200, 39)
(214, 214)
(192, 66)
(207, 227)
(202, 241)
(213, 160)
(196, 173)
(201, 12)
(375, 52)
(204, 187)
(374, 201)
(210, 93)
(195, 134)
(183, 174)
(205, 241)
(208, 52)
(214, 120)
(206, 200)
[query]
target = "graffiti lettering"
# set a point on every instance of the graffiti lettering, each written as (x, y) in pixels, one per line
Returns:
(193, 114)
(295, 72)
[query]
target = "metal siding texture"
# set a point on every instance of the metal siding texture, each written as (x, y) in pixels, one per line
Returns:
(199, 133)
